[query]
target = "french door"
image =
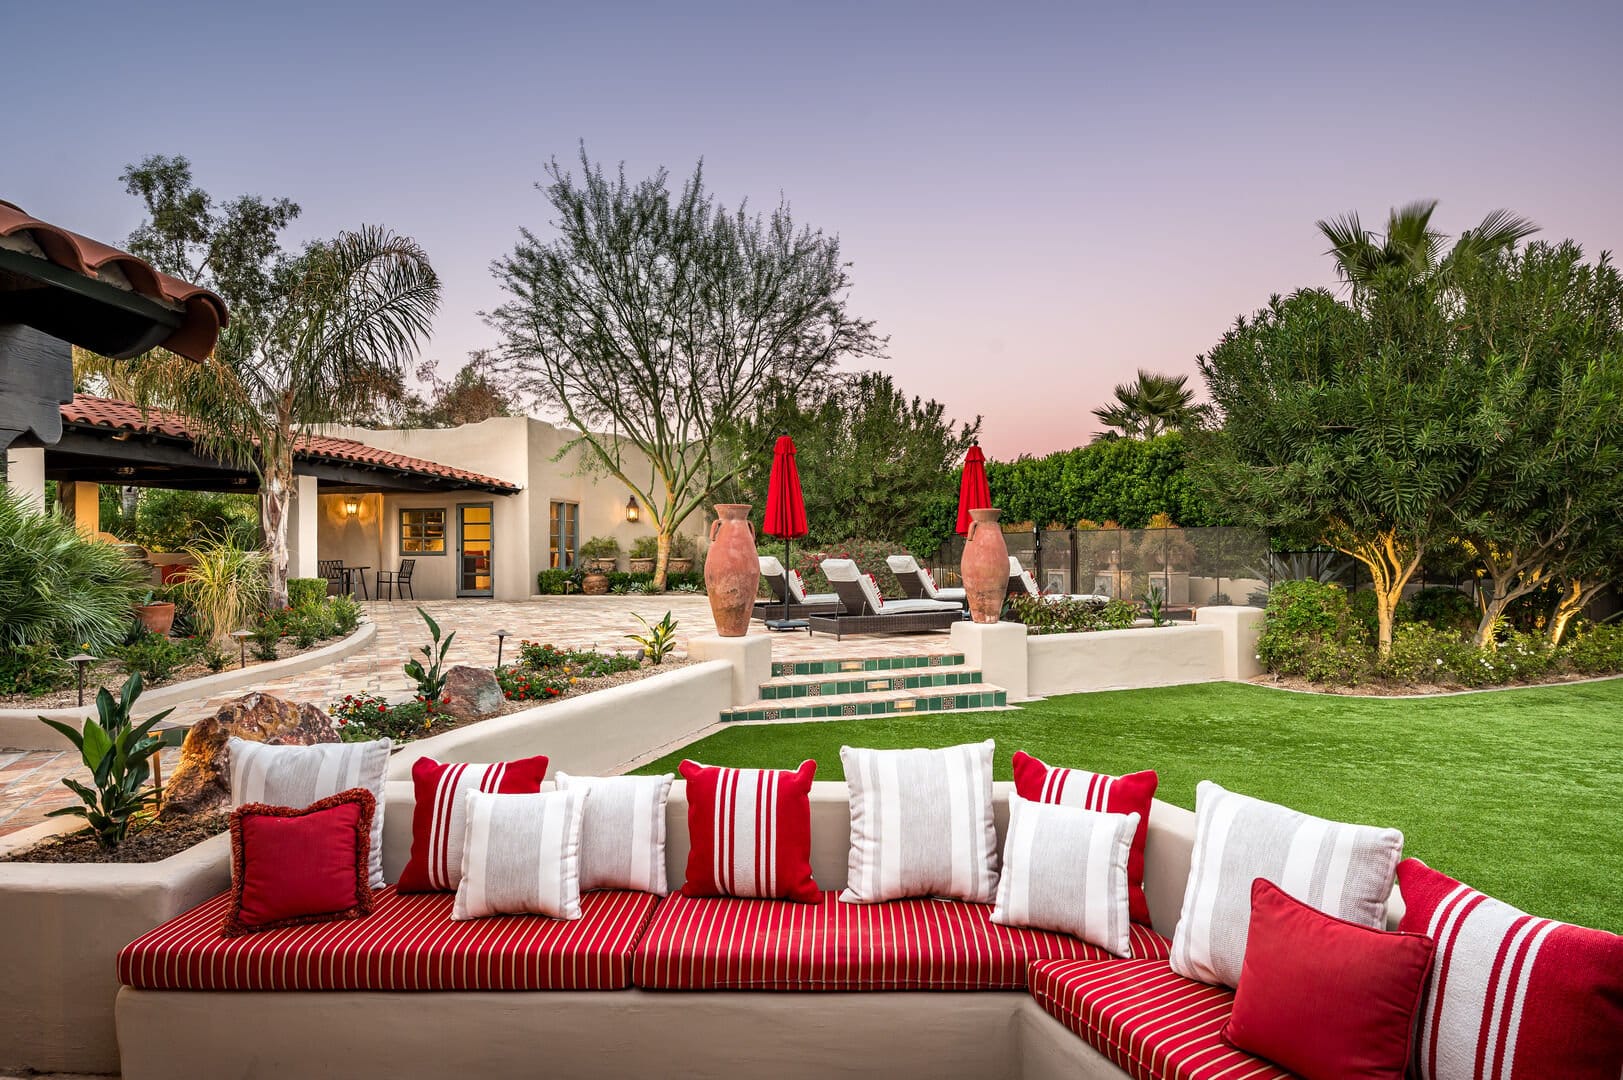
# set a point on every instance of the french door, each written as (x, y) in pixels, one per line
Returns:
(476, 539)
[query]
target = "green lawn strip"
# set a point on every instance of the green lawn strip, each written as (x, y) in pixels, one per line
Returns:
(1517, 792)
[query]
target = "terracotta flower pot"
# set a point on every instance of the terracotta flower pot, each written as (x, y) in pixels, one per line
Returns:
(732, 570)
(595, 583)
(985, 566)
(684, 564)
(156, 618)
(641, 566)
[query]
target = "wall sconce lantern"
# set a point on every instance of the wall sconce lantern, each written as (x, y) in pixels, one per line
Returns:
(633, 511)
(352, 505)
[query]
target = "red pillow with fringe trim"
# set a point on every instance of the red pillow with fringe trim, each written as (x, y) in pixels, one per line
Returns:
(294, 866)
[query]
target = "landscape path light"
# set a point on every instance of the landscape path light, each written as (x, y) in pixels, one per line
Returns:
(242, 637)
(81, 661)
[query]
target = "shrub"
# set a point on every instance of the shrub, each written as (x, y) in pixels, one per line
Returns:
(305, 592)
(152, 656)
(1422, 653)
(1309, 627)
(56, 586)
(1598, 650)
(1338, 663)
(118, 753)
(600, 547)
(168, 520)
(645, 547)
(556, 582)
(366, 717)
(430, 680)
(213, 657)
(683, 547)
(224, 586)
(346, 614)
(686, 581)
(524, 684)
(1071, 616)
(1444, 608)
(267, 634)
(33, 669)
(585, 663)
(1362, 605)
(308, 626)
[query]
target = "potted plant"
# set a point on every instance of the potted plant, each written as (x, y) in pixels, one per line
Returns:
(594, 581)
(643, 554)
(157, 616)
(600, 553)
(681, 560)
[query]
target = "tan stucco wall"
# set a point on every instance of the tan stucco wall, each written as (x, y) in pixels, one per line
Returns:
(519, 450)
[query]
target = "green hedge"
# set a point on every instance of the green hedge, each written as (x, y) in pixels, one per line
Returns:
(306, 591)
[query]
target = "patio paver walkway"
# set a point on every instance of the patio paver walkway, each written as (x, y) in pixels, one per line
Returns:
(30, 782)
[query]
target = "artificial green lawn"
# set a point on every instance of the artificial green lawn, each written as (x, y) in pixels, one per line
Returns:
(1517, 792)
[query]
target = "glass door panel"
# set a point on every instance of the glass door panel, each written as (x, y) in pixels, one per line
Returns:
(476, 545)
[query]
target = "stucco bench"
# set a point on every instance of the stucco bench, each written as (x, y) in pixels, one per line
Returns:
(989, 1028)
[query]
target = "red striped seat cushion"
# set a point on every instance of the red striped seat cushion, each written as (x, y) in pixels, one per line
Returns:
(408, 943)
(728, 943)
(1150, 1021)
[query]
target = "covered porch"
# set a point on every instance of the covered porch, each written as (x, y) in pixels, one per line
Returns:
(356, 505)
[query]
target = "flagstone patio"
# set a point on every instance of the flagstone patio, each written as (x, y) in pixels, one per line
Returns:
(30, 782)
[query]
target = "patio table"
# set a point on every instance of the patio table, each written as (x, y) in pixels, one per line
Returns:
(350, 575)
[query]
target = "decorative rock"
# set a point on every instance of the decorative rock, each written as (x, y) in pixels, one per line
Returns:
(202, 780)
(472, 693)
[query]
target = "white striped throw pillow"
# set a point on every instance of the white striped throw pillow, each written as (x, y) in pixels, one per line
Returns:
(921, 824)
(299, 775)
(1339, 869)
(521, 856)
(622, 836)
(1065, 869)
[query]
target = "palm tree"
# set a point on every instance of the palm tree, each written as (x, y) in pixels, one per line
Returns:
(1410, 251)
(1151, 405)
(345, 318)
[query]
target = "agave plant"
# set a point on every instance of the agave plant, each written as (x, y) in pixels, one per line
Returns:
(430, 680)
(118, 753)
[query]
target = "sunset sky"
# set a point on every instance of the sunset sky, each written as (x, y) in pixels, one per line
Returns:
(1036, 198)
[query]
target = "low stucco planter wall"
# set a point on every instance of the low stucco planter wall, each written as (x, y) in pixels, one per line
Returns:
(61, 927)
(1220, 645)
(20, 729)
(597, 734)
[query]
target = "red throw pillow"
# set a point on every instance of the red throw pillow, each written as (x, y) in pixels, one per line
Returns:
(294, 866)
(1514, 997)
(750, 831)
(1326, 998)
(1130, 794)
(438, 819)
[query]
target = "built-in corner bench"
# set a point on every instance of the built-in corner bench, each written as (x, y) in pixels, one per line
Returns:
(678, 987)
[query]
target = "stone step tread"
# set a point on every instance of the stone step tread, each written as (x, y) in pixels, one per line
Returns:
(858, 682)
(886, 703)
(842, 665)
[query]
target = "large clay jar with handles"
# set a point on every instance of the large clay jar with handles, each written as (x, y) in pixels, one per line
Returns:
(732, 570)
(985, 567)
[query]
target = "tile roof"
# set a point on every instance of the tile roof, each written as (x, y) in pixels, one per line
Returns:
(205, 313)
(87, 410)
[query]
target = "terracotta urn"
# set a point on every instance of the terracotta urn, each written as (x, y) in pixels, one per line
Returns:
(595, 583)
(732, 570)
(985, 566)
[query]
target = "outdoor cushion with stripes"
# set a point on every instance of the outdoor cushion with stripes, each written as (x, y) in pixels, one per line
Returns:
(1153, 1023)
(735, 944)
(408, 943)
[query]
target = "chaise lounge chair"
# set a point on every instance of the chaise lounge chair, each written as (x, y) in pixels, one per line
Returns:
(866, 612)
(801, 603)
(1022, 583)
(918, 583)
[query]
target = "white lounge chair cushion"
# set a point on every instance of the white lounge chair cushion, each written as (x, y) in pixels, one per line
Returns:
(913, 607)
(770, 566)
(902, 565)
(846, 570)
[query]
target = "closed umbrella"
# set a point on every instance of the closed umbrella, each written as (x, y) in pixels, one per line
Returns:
(785, 516)
(973, 491)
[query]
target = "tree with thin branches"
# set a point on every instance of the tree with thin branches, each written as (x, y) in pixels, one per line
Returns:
(653, 321)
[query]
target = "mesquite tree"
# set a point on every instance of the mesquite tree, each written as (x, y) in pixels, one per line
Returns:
(653, 321)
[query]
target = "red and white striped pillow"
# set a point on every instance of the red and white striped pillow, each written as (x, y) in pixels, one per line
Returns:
(1131, 794)
(1512, 996)
(750, 832)
(439, 819)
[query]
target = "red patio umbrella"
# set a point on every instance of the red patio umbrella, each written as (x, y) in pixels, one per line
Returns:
(785, 515)
(973, 491)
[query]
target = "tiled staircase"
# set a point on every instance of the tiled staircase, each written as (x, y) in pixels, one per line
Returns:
(876, 686)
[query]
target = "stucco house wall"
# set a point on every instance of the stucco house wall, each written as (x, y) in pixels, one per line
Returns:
(519, 450)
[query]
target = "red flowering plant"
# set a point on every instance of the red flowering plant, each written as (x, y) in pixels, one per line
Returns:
(365, 717)
(524, 684)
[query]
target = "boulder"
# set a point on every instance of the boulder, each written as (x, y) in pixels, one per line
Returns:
(202, 779)
(472, 693)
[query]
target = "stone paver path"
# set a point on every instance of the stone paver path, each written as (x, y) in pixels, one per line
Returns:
(30, 783)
